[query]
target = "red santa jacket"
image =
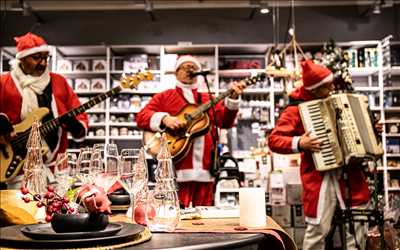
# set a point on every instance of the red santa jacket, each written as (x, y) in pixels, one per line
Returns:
(63, 100)
(195, 166)
(284, 139)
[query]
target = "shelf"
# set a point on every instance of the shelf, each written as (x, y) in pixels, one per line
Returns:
(391, 88)
(90, 92)
(123, 124)
(73, 74)
(392, 155)
(363, 71)
(239, 72)
(366, 88)
(142, 92)
(96, 111)
(375, 108)
(119, 72)
(91, 137)
(127, 137)
(394, 189)
(395, 70)
(97, 124)
(73, 150)
(389, 168)
(392, 135)
(393, 121)
(113, 111)
(392, 109)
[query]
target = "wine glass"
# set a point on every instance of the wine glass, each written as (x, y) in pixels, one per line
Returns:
(109, 174)
(62, 171)
(133, 174)
(83, 165)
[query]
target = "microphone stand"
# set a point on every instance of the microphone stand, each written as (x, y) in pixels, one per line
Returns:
(215, 168)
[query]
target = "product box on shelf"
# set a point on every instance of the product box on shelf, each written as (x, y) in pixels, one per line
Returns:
(294, 193)
(98, 84)
(298, 216)
(99, 65)
(277, 188)
(64, 65)
(134, 63)
(82, 84)
(81, 65)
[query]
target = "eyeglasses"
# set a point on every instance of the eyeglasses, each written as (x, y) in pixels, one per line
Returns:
(39, 57)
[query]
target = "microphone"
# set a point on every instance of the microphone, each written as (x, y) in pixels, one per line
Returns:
(200, 73)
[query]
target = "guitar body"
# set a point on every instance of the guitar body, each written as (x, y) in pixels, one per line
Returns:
(12, 158)
(180, 141)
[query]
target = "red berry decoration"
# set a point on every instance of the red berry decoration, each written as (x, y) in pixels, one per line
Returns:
(24, 190)
(48, 218)
(50, 188)
(39, 204)
(26, 199)
(49, 195)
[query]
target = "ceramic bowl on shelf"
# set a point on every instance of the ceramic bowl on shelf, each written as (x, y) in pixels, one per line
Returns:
(83, 222)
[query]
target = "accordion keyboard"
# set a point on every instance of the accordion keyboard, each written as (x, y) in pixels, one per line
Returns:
(316, 119)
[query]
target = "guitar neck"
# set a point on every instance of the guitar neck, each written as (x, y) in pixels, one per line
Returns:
(206, 106)
(55, 123)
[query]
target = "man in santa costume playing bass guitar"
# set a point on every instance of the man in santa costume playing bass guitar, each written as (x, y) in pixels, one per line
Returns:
(30, 85)
(193, 175)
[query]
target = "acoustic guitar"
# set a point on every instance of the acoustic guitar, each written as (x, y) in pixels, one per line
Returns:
(197, 124)
(13, 153)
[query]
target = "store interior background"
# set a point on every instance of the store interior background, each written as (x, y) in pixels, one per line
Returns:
(185, 22)
(196, 21)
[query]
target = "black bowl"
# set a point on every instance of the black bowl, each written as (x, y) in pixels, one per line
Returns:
(83, 222)
(119, 199)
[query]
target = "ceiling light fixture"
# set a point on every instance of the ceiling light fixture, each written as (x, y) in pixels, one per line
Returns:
(264, 9)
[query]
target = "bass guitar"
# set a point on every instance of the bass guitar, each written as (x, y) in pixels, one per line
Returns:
(197, 124)
(13, 153)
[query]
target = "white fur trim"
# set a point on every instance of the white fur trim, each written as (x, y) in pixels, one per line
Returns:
(337, 189)
(155, 120)
(327, 79)
(181, 85)
(193, 175)
(295, 144)
(31, 51)
(232, 104)
(321, 201)
(198, 152)
(187, 58)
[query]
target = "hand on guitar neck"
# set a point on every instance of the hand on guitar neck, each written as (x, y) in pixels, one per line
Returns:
(237, 89)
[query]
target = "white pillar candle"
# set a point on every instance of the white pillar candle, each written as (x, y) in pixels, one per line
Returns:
(252, 207)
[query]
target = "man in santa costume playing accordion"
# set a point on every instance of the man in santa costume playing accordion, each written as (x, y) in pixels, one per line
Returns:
(30, 85)
(322, 191)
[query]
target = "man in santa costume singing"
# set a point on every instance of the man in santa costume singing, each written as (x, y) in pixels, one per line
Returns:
(30, 85)
(193, 172)
(322, 191)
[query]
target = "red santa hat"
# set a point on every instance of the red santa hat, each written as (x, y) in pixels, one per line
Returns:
(29, 44)
(315, 75)
(187, 58)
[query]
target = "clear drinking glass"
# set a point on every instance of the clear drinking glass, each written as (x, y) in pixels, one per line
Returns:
(109, 174)
(83, 165)
(133, 175)
(162, 210)
(62, 171)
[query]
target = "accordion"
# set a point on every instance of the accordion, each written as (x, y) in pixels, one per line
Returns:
(342, 122)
